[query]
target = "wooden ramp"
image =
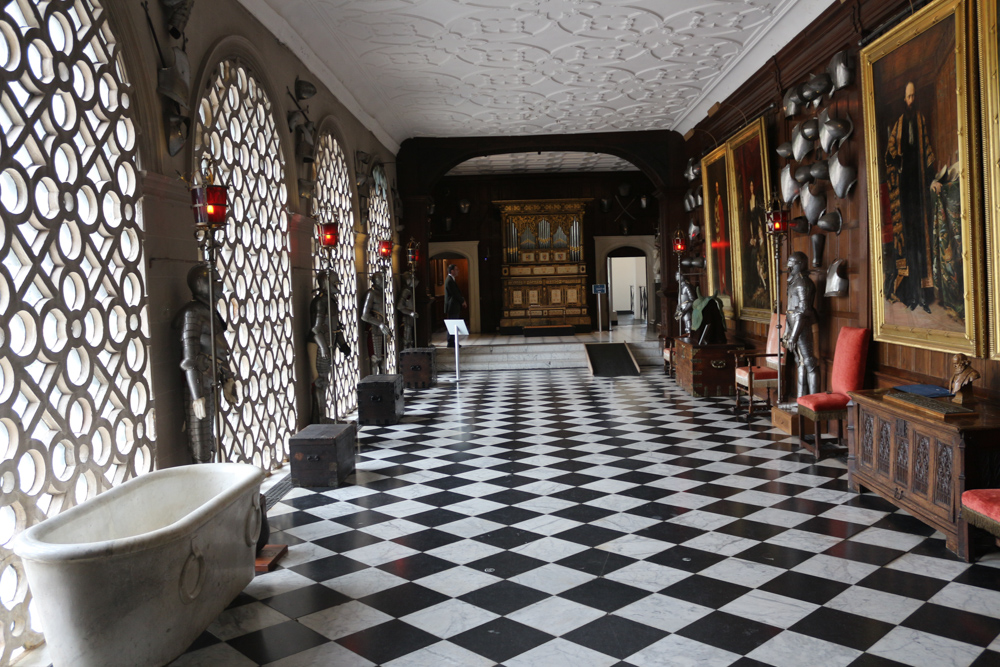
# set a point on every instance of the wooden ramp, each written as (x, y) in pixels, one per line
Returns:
(610, 360)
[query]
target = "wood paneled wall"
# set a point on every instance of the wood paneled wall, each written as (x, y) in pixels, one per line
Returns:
(841, 27)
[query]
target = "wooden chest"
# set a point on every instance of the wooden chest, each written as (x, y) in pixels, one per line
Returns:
(322, 454)
(923, 464)
(706, 370)
(380, 399)
(419, 368)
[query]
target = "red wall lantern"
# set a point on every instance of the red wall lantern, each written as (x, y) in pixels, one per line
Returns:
(777, 219)
(412, 251)
(680, 243)
(385, 249)
(210, 203)
(329, 234)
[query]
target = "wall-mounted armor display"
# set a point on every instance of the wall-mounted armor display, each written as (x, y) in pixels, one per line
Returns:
(820, 171)
(789, 186)
(818, 244)
(792, 103)
(801, 146)
(842, 178)
(812, 205)
(784, 149)
(841, 70)
(820, 84)
(831, 221)
(833, 130)
(810, 129)
(318, 345)
(837, 283)
(803, 175)
(799, 225)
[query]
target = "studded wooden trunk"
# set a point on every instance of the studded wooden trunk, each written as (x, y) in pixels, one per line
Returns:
(322, 454)
(418, 367)
(380, 399)
(706, 370)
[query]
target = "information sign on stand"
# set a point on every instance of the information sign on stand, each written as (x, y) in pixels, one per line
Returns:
(599, 289)
(456, 328)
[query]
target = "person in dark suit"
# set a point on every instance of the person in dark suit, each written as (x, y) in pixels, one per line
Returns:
(454, 302)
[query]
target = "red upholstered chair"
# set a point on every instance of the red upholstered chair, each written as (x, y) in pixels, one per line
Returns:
(980, 508)
(849, 361)
(759, 370)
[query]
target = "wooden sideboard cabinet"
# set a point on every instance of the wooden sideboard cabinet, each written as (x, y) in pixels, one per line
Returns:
(921, 463)
(705, 370)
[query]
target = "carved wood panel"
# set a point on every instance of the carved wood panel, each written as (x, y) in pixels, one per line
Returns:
(902, 473)
(943, 474)
(884, 446)
(921, 464)
(867, 438)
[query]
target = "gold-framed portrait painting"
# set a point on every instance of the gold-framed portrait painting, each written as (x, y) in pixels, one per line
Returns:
(753, 262)
(925, 264)
(989, 68)
(718, 244)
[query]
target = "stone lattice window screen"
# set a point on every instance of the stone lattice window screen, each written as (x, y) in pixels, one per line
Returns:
(380, 229)
(236, 140)
(332, 203)
(76, 411)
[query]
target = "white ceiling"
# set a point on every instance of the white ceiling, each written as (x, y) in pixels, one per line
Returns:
(448, 68)
(540, 163)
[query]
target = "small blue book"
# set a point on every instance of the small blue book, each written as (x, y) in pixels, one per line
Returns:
(928, 390)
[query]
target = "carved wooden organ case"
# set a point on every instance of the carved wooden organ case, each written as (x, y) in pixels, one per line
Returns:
(543, 273)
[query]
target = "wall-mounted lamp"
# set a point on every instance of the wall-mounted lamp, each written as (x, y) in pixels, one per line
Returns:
(329, 234)
(680, 242)
(777, 219)
(464, 205)
(624, 189)
(385, 249)
(412, 251)
(643, 201)
(430, 209)
(605, 205)
(210, 203)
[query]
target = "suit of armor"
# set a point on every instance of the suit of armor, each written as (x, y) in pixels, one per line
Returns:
(685, 303)
(800, 318)
(320, 354)
(194, 320)
(406, 307)
(373, 313)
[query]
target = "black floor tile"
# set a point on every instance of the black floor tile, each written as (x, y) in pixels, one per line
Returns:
(353, 539)
(404, 599)
(277, 642)
(776, 555)
(596, 562)
(508, 538)
(506, 564)
(754, 530)
(604, 594)
(425, 540)
(590, 536)
(416, 566)
(291, 520)
(503, 597)
(686, 558)
(903, 583)
(731, 633)
(863, 553)
(306, 600)
(615, 636)
(857, 632)
(955, 624)
(328, 568)
(372, 643)
(500, 639)
(705, 591)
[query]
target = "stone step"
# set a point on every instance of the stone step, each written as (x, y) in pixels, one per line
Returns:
(543, 355)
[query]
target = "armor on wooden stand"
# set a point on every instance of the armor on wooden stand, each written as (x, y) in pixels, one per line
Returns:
(373, 313)
(800, 319)
(685, 303)
(406, 307)
(320, 354)
(195, 322)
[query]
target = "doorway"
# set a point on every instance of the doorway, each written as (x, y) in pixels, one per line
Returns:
(628, 292)
(439, 270)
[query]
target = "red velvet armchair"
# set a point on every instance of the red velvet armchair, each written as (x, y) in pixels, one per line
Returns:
(849, 361)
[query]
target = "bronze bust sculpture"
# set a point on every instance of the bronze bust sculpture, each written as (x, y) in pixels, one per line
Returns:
(963, 375)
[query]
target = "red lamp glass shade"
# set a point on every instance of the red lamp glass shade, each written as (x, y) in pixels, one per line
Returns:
(384, 249)
(210, 203)
(329, 234)
(412, 252)
(777, 219)
(680, 243)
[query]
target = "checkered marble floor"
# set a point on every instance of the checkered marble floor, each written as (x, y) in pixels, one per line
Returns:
(550, 518)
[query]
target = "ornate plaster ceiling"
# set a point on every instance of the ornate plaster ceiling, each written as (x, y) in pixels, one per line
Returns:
(445, 68)
(541, 163)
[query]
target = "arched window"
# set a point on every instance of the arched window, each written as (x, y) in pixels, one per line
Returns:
(380, 229)
(237, 141)
(75, 400)
(332, 203)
